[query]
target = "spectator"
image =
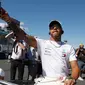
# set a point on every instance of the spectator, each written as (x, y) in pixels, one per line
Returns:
(33, 63)
(80, 53)
(17, 57)
(39, 68)
(17, 60)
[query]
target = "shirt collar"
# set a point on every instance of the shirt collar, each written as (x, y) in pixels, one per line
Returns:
(56, 44)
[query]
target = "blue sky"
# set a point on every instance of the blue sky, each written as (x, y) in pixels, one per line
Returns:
(37, 14)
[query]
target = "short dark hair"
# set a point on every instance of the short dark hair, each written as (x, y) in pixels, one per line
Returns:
(53, 23)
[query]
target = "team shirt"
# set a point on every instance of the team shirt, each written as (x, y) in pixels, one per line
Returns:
(55, 57)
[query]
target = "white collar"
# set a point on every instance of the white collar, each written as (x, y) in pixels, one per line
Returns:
(56, 44)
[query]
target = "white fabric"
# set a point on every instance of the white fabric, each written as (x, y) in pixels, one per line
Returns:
(9, 35)
(80, 78)
(33, 54)
(18, 55)
(55, 57)
(2, 73)
(49, 81)
(31, 49)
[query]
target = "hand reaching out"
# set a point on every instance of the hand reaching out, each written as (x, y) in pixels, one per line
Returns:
(13, 24)
(4, 15)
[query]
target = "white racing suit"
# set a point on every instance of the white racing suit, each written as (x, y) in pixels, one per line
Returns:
(49, 81)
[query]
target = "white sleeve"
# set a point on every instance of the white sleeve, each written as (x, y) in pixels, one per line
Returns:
(39, 44)
(72, 55)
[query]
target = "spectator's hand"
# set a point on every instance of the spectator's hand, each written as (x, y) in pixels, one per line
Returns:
(4, 15)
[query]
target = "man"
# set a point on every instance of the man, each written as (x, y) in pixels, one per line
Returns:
(80, 53)
(17, 57)
(55, 55)
(32, 62)
(17, 60)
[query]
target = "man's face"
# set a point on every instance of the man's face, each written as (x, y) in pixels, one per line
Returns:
(55, 32)
(81, 46)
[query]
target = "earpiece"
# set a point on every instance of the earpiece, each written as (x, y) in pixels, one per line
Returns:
(62, 32)
(49, 33)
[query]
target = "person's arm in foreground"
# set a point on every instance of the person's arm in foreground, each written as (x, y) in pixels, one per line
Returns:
(74, 73)
(21, 35)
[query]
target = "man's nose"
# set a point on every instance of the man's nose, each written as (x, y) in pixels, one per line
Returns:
(55, 28)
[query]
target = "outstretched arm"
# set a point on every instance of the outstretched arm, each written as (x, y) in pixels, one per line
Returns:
(71, 80)
(15, 27)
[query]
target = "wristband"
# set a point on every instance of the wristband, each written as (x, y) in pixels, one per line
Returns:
(69, 77)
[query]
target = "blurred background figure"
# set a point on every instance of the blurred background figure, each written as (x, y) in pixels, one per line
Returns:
(34, 63)
(17, 57)
(2, 74)
(80, 53)
(17, 60)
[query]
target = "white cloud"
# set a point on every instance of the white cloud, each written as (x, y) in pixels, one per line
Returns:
(3, 25)
(22, 27)
(21, 23)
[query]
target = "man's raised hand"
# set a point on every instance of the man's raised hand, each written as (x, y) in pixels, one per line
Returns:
(4, 15)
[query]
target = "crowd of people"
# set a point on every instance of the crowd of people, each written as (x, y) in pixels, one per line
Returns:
(23, 55)
(54, 55)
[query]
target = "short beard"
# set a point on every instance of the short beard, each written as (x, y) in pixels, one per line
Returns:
(56, 38)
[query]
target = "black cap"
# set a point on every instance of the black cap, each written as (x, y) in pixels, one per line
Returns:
(55, 23)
